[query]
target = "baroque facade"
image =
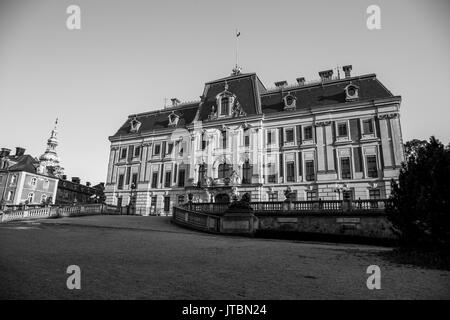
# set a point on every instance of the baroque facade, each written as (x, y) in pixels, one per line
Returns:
(331, 139)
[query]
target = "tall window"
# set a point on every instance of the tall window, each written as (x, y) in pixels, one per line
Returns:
(181, 199)
(120, 182)
(137, 151)
(269, 137)
(310, 173)
(247, 172)
(367, 126)
(157, 150)
(224, 139)
(374, 194)
(289, 135)
(181, 177)
(127, 180)
(246, 140)
(13, 179)
(342, 129)
(33, 182)
(224, 106)
(169, 148)
(224, 170)
(134, 180)
(308, 133)
(10, 195)
(290, 171)
(123, 153)
(168, 177)
(166, 203)
(372, 170)
(345, 168)
(30, 197)
(155, 180)
(202, 173)
(154, 201)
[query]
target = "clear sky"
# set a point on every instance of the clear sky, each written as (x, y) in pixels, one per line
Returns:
(131, 55)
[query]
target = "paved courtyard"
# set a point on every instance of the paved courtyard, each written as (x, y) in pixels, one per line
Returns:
(126, 257)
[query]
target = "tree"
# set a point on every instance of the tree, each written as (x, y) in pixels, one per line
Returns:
(421, 199)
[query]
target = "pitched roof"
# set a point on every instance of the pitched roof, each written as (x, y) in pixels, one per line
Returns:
(24, 163)
(256, 99)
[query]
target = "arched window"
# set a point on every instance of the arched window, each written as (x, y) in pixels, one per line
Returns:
(43, 198)
(30, 197)
(33, 182)
(224, 170)
(247, 172)
(224, 106)
(13, 179)
(10, 195)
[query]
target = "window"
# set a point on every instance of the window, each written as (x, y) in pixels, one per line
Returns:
(247, 172)
(273, 196)
(1, 179)
(272, 178)
(308, 133)
(202, 173)
(30, 197)
(367, 126)
(289, 135)
(127, 180)
(310, 174)
(154, 201)
(13, 179)
(224, 140)
(168, 177)
(43, 198)
(224, 106)
(311, 195)
(166, 203)
(204, 142)
(181, 199)
(123, 153)
(169, 148)
(372, 170)
(347, 195)
(137, 151)
(10, 195)
(134, 180)
(269, 137)
(374, 194)
(342, 129)
(155, 180)
(345, 168)
(224, 170)
(120, 182)
(290, 171)
(157, 149)
(33, 182)
(181, 177)
(247, 140)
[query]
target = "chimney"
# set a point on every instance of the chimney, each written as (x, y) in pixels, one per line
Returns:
(175, 102)
(326, 75)
(20, 151)
(347, 70)
(281, 84)
(76, 180)
(300, 81)
(64, 177)
(4, 152)
(88, 184)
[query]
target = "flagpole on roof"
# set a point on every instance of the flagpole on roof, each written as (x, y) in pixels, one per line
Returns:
(237, 48)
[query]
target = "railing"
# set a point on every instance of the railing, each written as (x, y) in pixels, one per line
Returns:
(196, 220)
(315, 206)
(55, 211)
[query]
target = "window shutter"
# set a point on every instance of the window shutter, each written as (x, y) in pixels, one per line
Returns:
(299, 135)
(281, 141)
(300, 163)
(281, 165)
(358, 160)
(355, 130)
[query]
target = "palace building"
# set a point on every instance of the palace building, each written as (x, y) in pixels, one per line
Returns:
(335, 138)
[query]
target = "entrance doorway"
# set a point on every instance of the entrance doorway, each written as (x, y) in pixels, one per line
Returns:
(222, 198)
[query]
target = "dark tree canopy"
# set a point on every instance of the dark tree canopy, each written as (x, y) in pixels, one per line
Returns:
(421, 210)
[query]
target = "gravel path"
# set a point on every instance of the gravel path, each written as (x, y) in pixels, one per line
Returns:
(126, 257)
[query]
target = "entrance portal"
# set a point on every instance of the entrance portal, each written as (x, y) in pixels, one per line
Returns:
(222, 198)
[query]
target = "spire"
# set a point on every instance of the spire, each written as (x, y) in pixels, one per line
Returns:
(237, 69)
(49, 161)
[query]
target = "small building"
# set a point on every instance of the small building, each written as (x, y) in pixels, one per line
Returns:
(72, 191)
(20, 183)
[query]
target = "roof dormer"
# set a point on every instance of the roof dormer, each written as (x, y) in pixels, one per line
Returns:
(351, 92)
(173, 119)
(135, 125)
(290, 102)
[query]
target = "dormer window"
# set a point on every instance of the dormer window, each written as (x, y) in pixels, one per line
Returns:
(173, 119)
(290, 102)
(224, 106)
(135, 125)
(351, 92)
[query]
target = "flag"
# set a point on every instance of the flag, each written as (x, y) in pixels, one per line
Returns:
(238, 33)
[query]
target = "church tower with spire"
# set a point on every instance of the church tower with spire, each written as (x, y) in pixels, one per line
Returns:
(49, 161)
